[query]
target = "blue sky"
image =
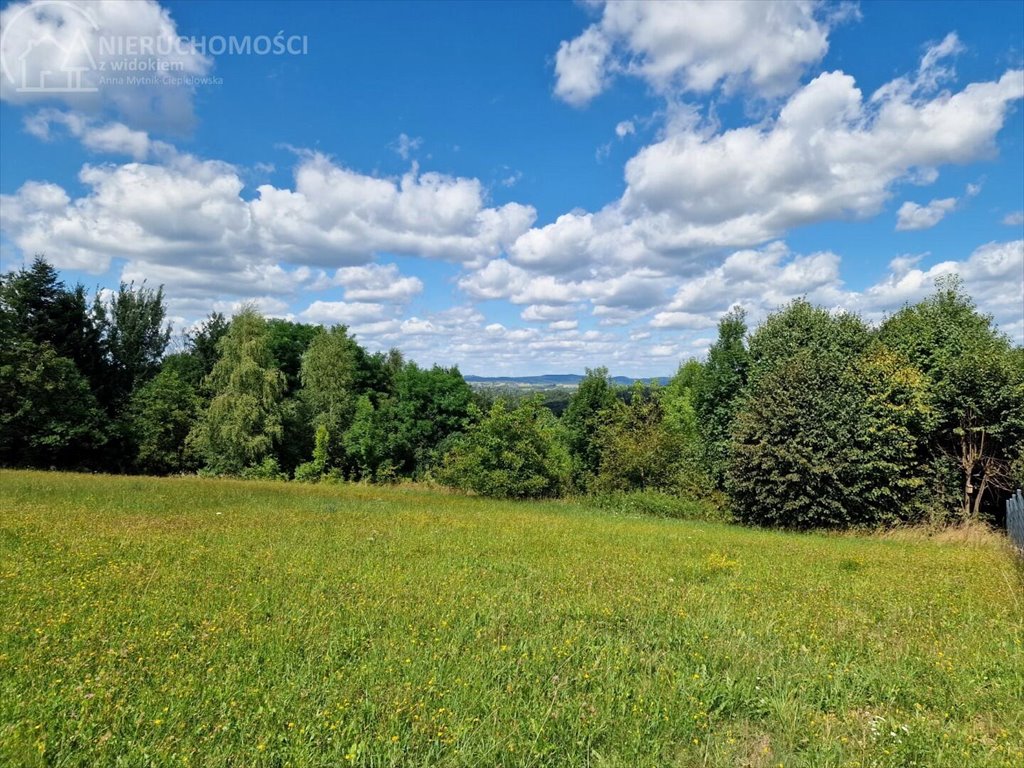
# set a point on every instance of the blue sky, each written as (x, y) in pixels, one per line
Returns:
(521, 187)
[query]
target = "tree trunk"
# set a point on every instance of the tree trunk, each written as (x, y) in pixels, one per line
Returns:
(981, 494)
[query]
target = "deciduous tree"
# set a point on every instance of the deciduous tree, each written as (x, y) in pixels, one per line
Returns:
(242, 424)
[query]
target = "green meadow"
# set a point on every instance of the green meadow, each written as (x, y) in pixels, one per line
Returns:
(184, 621)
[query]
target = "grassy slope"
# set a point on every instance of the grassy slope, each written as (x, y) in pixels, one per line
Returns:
(200, 622)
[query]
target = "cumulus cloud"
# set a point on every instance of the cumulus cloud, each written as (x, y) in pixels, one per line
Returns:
(335, 214)
(543, 313)
(271, 306)
(184, 212)
(698, 227)
(185, 222)
(761, 280)
(107, 138)
(580, 67)
(758, 279)
(345, 312)
(695, 46)
(912, 216)
(60, 46)
(993, 274)
(829, 153)
(377, 282)
(1014, 219)
(563, 325)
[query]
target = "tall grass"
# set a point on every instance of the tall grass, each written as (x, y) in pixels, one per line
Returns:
(230, 623)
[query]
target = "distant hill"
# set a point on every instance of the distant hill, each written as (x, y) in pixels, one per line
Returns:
(549, 381)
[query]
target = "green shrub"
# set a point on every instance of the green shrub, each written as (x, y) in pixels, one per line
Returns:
(510, 453)
(268, 469)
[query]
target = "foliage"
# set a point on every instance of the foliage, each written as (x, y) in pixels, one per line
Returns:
(428, 406)
(197, 361)
(510, 453)
(267, 469)
(827, 429)
(679, 403)
(716, 393)
(243, 421)
(161, 414)
(639, 450)
(288, 343)
(587, 410)
(976, 383)
(814, 420)
(48, 414)
(314, 470)
(330, 375)
(135, 338)
(36, 307)
(369, 441)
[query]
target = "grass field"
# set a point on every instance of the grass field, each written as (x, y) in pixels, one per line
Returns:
(223, 623)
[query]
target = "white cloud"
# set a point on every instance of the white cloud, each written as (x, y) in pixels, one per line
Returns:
(580, 66)
(611, 293)
(377, 282)
(54, 40)
(933, 70)
(107, 138)
(542, 313)
(912, 216)
(187, 212)
(405, 146)
(759, 280)
(335, 214)
(993, 274)
(687, 320)
(1014, 219)
(764, 279)
(184, 221)
(559, 247)
(271, 306)
(344, 312)
(499, 279)
(695, 231)
(695, 46)
(828, 154)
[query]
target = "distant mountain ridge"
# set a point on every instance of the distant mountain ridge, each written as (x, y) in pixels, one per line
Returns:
(551, 380)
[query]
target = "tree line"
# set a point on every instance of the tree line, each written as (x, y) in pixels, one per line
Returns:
(812, 419)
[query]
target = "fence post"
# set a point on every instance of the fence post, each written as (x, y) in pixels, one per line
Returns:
(1015, 519)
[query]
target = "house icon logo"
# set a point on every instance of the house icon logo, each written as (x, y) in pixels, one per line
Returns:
(34, 60)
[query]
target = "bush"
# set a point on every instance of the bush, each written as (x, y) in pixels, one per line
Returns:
(828, 428)
(515, 453)
(268, 469)
(308, 472)
(312, 471)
